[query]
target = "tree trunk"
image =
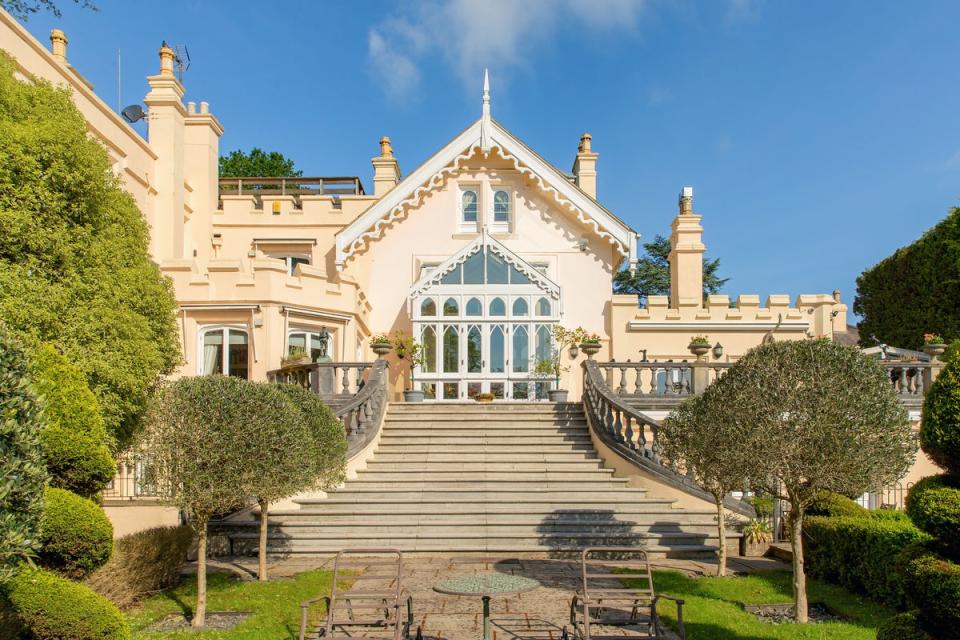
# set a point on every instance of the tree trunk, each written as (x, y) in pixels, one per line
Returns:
(200, 612)
(799, 577)
(262, 550)
(722, 538)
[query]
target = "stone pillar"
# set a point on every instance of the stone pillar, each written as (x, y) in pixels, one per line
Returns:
(585, 166)
(386, 169)
(58, 45)
(201, 152)
(686, 255)
(165, 134)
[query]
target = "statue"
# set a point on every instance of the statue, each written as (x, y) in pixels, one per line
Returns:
(323, 338)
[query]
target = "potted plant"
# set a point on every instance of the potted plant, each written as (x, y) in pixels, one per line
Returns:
(484, 398)
(553, 367)
(381, 345)
(933, 345)
(410, 351)
(699, 345)
(295, 356)
(756, 538)
(590, 345)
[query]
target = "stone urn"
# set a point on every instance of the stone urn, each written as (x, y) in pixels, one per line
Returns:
(934, 350)
(381, 348)
(699, 348)
(557, 395)
(753, 548)
(413, 395)
(590, 348)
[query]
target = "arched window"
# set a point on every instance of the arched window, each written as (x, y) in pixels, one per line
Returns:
(498, 307)
(501, 207)
(520, 308)
(474, 308)
(543, 307)
(451, 350)
(429, 341)
(468, 207)
(544, 350)
(224, 352)
(521, 350)
(428, 308)
(450, 307)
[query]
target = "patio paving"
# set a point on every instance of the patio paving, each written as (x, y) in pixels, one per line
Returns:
(540, 614)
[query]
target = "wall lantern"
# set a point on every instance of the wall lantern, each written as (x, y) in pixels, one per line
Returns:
(574, 350)
(718, 351)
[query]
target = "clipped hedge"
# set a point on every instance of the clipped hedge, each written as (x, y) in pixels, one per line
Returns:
(934, 506)
(50, 607)
(142, 563)
(837, 506)
(76, 461)
(859, 553)
(75, 535)
(903, 626)
(940, 420)
(933, 586)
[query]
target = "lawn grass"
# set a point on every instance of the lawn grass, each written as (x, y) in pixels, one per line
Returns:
(713, 609)
(275, 606)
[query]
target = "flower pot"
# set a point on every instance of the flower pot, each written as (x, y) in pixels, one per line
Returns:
(590, 348)
(698, 349)
(413, 395)
(755, 549)
(294, 362)
(934, 350)
(557, 395)
(483, 399)
(381, 348)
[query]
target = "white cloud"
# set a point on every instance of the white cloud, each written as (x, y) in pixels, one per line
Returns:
(472, 34)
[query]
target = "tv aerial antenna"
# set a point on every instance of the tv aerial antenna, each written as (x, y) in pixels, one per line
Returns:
(181, 58)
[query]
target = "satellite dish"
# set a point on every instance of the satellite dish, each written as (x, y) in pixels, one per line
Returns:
(133, 113)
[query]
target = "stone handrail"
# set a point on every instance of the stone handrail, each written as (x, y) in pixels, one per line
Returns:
(911, 380)
(311, 376)
(634, 435)
(362, 415)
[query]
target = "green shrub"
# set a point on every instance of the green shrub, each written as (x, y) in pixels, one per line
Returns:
(940, 422)
(934, 506)
(53, 608)
(837, 506)
(858, 554)
(890, 514)
(75, 535)
(142, 563)
(903, 626)
(76, 462)
(762, 504)
(933, 585)
(21, 465)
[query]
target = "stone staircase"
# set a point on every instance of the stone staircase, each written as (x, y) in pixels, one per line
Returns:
(497, 478)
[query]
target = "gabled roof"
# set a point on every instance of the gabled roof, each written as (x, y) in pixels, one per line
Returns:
(486, 136)
(434, 277)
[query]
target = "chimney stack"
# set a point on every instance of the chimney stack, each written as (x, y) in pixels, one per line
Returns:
(585, 166)
(166, 59)
(58, 45)
(686, 255)
(386, 169)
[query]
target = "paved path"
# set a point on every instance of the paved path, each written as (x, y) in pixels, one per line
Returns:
(536, 615)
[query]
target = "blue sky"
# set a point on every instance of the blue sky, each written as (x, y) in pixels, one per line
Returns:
(819, 136)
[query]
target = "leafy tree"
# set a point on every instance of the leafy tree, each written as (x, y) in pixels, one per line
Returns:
(706, 435)
(296, 443)
(194, 436)
(820, 416)
(258, 162)
(915, 290)
(75, 269)
(22, 472)
(23, 8)
(652, 275)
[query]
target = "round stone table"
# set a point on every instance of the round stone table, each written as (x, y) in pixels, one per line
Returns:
(486, 586)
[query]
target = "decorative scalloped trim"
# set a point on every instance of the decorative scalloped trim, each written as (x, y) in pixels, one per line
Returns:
(436, 181)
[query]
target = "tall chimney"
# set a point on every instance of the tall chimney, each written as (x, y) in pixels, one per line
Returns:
(585, 166)
(686, 255)
(58, 45)
(386, 169)
(166, 59)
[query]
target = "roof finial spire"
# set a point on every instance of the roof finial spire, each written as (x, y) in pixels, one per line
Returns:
(485, 125)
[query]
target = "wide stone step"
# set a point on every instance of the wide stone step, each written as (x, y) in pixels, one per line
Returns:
(425, 457)
(649, 518)
(485, 448)
(442, 429)
(399, 476)
(424, 528)
(500, 420)
(581, 465)
(484, 439)
(491, 500)
(397, 408)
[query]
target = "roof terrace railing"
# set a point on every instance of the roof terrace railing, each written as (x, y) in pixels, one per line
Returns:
(296, 186)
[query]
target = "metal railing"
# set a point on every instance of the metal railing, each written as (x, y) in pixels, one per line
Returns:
(295, 186)
(130, 482)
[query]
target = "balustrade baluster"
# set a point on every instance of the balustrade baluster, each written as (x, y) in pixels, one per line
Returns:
(637, 388)
(346, 379)
(654, 374)
(629, 430)
(618, 423)
(623, 381)
(903, 390)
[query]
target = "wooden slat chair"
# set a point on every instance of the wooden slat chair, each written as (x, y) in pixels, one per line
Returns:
(605, 601)
(384, 608)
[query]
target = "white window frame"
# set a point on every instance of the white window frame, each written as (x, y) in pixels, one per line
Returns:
(203, 330)
(288, 259)
(310, 332)
(495, 226)
(464, 226)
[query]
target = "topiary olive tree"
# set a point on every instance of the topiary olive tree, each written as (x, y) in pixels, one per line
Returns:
(940, 420)
(705, 435)
(822, 417)
(22, 472)
(194, 437)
